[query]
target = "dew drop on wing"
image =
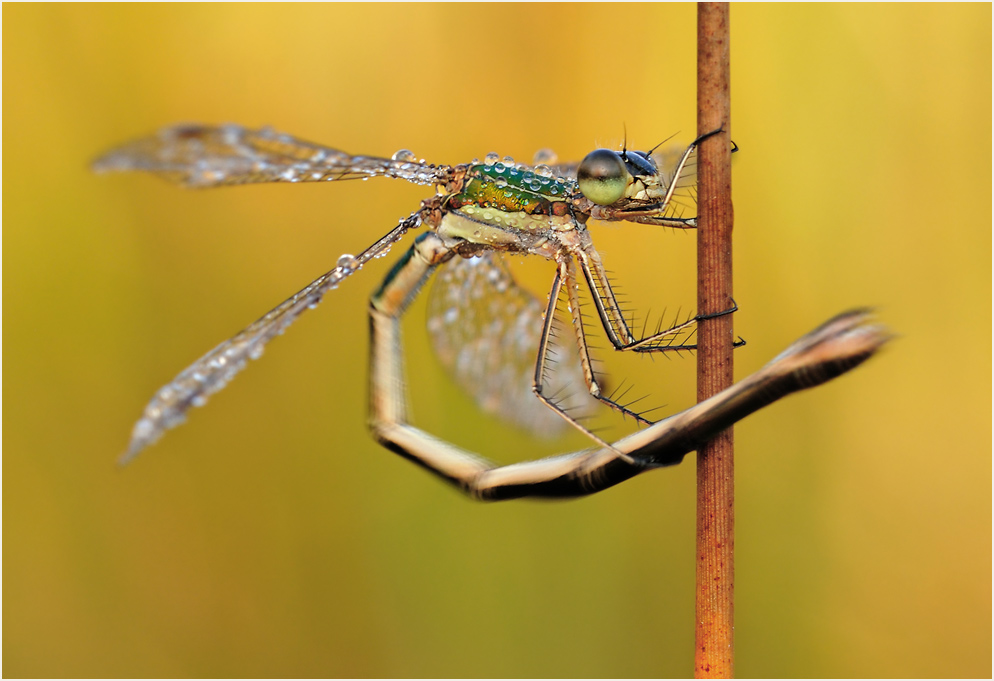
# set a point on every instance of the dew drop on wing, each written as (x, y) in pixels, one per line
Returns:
(143, 429)
(404, 155)
(545, 156)
(347, 262)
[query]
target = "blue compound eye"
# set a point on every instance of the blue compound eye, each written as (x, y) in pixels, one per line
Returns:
(602, 177)
(641, 163)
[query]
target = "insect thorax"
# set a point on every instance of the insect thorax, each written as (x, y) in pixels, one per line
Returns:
(507, 207)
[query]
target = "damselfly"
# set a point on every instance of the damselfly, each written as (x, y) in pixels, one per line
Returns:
(480, 211)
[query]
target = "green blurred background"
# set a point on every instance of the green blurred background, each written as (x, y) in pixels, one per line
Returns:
(271, 537)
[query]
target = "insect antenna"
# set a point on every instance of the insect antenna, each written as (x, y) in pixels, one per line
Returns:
(652, 151)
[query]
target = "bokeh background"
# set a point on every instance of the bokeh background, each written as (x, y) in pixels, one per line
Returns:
(270, 536)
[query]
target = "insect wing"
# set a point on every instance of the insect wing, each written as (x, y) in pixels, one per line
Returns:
(485, 330)
(203, 156)
(212, 372)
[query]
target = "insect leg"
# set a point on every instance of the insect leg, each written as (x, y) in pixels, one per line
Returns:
(604, 299)
(565, 275)
(583, 348)
(673, 339)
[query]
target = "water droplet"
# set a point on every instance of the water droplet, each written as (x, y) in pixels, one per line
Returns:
(543, 170)
(198, 401)
(491, 158)
(207, 177)
(546, 156)
(405, 155)
(347, 262)
(500, 167)
(509, 160)
(501, 182)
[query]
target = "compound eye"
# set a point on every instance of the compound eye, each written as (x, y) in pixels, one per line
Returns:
(641, 162)
(602, 177)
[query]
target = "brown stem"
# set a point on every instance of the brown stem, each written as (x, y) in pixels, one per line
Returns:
(714, 656)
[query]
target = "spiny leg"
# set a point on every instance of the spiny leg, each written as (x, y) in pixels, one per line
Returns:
(566, 276)
(611, 317)
(673, 339)
(605, 301)
(586, 361)
(668, 340)
(615, 326)
(614, 323)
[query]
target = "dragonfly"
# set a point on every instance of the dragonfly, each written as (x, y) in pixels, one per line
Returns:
(480, 211)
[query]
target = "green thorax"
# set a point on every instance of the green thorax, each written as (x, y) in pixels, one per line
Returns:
(496, 193)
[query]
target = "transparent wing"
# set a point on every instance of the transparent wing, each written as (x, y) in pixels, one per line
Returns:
(212, 372)
(485, 330)
(202, 156)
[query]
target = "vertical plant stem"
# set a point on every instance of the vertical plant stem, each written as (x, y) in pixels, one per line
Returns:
(714, 656)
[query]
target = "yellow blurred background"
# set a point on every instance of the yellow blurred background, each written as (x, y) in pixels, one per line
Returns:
(269, 536)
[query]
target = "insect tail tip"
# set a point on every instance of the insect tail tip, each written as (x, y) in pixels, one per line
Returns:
(134, 448)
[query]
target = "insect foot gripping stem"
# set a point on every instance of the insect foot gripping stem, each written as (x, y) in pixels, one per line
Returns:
(840, 344)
